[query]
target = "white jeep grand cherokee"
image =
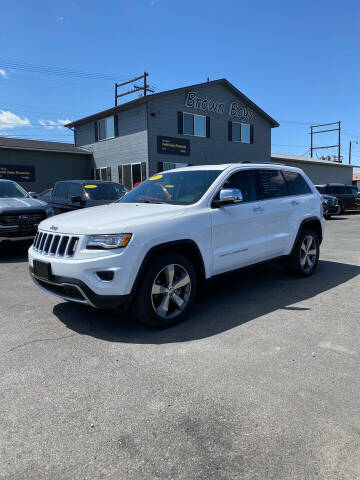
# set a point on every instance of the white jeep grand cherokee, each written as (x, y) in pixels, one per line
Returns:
(150, 250)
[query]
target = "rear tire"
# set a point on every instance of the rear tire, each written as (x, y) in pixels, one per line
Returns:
(167, 291)
(304, 257)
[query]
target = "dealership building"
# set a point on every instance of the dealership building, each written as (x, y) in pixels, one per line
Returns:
(37, 165)
(206, 123)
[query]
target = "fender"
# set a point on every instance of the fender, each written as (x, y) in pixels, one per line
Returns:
(173, 246)
(302, 224)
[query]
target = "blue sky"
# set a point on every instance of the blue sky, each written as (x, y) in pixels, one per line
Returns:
(298, 60)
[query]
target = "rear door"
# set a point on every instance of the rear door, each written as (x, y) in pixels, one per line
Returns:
(301, 199)
(238, 234)
(278, 210)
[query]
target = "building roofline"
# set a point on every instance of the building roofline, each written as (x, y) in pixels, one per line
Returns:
(148, 98)
(317, 161)
(8, 143)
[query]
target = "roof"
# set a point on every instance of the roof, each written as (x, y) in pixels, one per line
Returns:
(295, 158)
(147, 98)
(226, 166)
(85, 182)
(356, 176)
(38, 145)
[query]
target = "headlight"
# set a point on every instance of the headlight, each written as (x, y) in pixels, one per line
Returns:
(49, 212)
(109, 241)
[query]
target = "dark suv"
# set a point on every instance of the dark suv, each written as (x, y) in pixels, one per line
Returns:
(74, 194)
(20, 214)
(347, 195)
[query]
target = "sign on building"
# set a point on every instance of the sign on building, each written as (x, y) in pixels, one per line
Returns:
(19, 173)
(173, 146)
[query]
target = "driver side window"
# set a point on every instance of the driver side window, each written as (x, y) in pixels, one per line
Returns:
(245, 181)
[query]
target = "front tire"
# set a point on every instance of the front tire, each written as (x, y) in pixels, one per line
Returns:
(167, 291)
(304, 258)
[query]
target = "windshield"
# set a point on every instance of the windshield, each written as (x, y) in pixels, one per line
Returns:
(105, 191)
(174, 187)
(12, 190)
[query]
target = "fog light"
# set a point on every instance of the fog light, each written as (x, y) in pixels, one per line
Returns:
(105, 276)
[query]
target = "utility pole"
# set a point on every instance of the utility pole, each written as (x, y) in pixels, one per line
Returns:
(313, 131)
(350, 152)
(135, 88)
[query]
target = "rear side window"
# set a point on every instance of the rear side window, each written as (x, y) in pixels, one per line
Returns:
(351, 190)
(246, 182)
(296, 183)
(335, 190)
(272, 184)
(60, 190)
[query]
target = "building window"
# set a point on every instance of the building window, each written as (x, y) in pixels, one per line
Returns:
(105, 128)
(194, 125)
(132, 174)
(245, 133)
(164, 166)
(241, 132)
(102, 173)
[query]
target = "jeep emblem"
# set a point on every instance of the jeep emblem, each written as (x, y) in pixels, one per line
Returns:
(54, 228)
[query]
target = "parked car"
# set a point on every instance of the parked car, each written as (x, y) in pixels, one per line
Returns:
(45, 196)
(330, 206)
(347, 195)
(20, 214)
(151, 249)
(71, 195)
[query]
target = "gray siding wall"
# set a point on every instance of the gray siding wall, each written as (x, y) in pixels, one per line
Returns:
(50, 167)
(131, 146)
(320, 174)
(215, 149)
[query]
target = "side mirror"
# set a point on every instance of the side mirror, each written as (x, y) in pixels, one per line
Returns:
(77, 199)
(33, 194)
(228, 196)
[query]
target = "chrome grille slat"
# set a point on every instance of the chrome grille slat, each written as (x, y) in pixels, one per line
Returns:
(55, 245)
(57, 250)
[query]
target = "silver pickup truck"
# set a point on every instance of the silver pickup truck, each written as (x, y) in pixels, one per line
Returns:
(20, 214)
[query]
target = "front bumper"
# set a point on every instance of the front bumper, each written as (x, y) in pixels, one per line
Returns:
(77, 291)
(331, 209)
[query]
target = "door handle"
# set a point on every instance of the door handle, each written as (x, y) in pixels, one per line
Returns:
(295, 202)
(258, 209)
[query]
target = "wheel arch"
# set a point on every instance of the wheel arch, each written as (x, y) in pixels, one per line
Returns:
(186, 247)
(313, 223)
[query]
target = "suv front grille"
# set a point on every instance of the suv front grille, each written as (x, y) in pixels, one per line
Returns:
(14, 219)
(57, 245)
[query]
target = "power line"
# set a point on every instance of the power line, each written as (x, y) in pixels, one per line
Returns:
(55, 70)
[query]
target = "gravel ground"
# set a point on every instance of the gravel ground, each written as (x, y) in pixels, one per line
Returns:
(262, 381)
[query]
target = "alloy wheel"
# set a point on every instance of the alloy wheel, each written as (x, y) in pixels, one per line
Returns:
(308, 253)
(171, 291)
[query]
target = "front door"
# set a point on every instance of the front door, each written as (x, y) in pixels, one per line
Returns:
(238, 236)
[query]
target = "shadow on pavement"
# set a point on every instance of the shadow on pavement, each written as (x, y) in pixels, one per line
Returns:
(14, 253)
(225, 302)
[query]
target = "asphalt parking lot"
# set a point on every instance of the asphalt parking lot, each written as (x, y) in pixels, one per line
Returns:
(262, 381)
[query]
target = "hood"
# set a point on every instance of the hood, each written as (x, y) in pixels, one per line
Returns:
(111, 218)
(21, 204)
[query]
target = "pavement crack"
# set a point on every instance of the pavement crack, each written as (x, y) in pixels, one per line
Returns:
(36, 340)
